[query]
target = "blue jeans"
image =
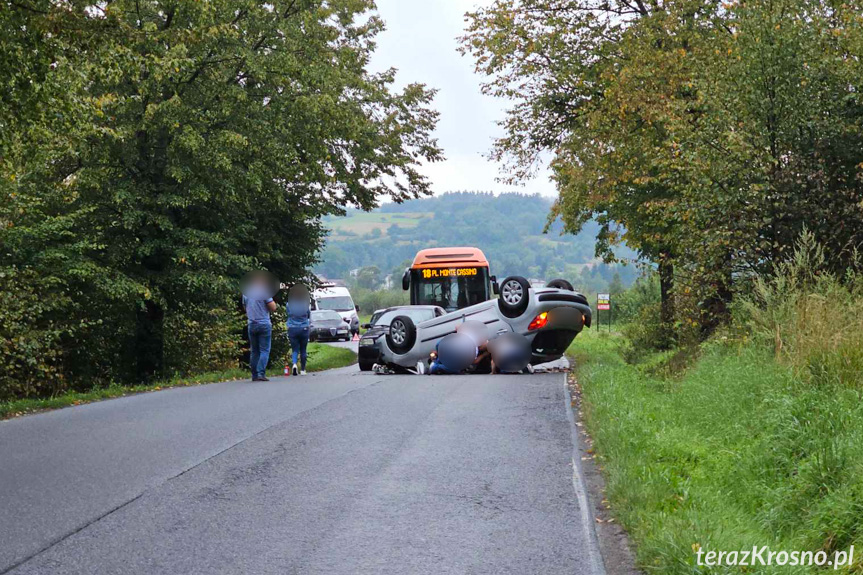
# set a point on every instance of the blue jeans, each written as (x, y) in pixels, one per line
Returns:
(260, 337)
(437, 368)
(299, 337)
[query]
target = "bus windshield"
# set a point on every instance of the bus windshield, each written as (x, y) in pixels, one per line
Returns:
(452, 289)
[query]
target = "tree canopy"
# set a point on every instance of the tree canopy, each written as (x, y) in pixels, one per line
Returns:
(154, 151)
(706, 135)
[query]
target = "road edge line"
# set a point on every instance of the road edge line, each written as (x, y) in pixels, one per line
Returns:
(579, 486)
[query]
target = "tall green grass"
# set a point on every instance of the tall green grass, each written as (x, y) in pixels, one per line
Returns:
(736, 452)
(812, 318)
(759, 441)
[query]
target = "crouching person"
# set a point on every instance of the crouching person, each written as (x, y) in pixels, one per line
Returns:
(462, 351)
(510, 353)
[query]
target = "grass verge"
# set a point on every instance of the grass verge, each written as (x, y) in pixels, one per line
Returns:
(736, 452)
(321, 357)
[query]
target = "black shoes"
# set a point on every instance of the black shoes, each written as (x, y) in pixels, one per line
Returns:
(260, 379)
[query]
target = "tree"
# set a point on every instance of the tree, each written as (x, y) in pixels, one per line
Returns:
(369, 277)
(196, 141)
(706, 135)
(615, 286)
(573, 69)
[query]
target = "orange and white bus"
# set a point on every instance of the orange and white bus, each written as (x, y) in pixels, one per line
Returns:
(452, 278)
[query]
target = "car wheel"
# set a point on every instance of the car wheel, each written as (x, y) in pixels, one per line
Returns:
(366, 366)
(402, 334)
(560, 284)
(514, 296)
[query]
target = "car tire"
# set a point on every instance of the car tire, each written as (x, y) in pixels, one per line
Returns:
(402, 334)
(366, 366)
(560, 284)
(514, 296)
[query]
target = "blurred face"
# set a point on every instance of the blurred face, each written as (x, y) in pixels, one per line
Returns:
(510, 351)
(475, 330)
(259, 284)
(298, 293)
(457, 351)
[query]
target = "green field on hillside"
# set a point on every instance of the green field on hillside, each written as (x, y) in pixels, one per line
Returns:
(509, 228)
(360, 223)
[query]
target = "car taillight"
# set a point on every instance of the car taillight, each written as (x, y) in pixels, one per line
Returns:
(538, 322)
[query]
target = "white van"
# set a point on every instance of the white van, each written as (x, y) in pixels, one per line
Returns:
(338, 299)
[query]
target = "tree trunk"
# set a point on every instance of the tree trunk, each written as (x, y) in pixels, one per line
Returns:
(666, 310)
(150, 342)
(717, 307)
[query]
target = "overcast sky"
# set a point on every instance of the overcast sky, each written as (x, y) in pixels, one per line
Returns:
(421, 41)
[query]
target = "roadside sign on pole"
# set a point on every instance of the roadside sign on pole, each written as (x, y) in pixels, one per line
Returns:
(603, 301)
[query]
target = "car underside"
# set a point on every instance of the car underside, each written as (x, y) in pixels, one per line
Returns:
(550, 318)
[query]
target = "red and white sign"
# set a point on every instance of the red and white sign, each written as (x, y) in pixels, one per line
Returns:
(603, 301)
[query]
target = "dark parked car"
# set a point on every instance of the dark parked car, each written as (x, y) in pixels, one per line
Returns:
(379, 325)
(329, 325)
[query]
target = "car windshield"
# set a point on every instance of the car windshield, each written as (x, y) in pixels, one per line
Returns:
(337, 303)
(325, 315)
(450, 289)
(417, 315)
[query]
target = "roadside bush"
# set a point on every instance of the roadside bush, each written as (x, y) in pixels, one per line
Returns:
(280, 346)
(644, 333)
(30, 350)
(64, 334)
(200, 340)
(812, 318)
(629, 304)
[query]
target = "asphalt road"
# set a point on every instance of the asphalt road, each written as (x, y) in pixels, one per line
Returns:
(337, 472)
(561, 363)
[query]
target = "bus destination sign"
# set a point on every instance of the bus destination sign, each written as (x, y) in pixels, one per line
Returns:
(432, 273)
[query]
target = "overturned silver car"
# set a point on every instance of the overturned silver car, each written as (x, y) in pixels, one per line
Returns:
(549, 317)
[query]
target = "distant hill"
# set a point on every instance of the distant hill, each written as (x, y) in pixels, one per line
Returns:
(508, 228)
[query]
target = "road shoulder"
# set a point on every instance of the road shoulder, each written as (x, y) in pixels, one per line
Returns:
(617, 552)
(332, 358)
